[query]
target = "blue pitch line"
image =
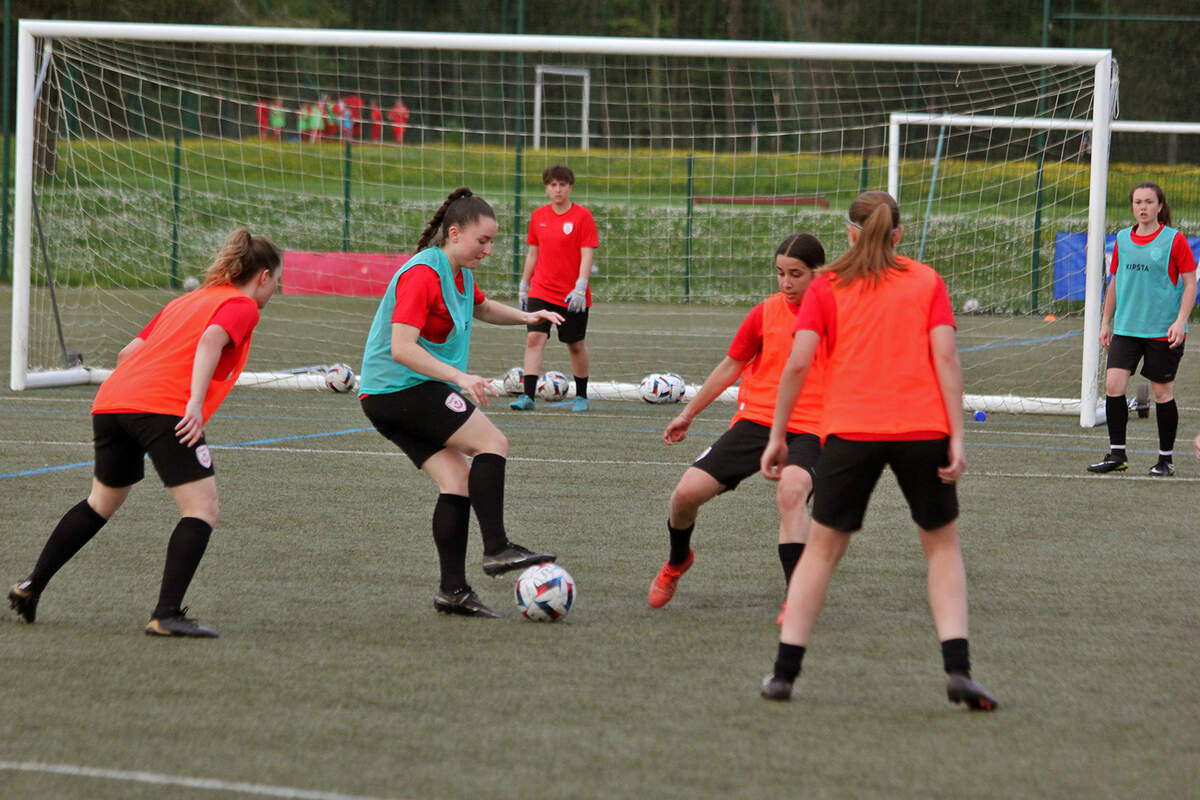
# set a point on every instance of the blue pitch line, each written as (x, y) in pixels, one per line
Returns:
(284, 439)
(47, 469)
(1043, 340)
(61, 467)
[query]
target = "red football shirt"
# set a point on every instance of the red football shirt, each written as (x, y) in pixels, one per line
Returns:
(419, 302)
(560, 239)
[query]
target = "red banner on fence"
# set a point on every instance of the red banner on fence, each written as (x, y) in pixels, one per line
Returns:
(356, 274)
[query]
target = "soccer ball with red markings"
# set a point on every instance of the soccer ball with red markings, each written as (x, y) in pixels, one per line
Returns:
(545, 593)
(340, 378)
(660, 387)
(553, 386)
(514, 381)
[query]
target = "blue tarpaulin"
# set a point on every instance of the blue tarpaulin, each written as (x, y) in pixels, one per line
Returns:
(1070, 258)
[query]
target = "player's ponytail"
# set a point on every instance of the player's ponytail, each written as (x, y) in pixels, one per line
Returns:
(461, 208)
(241, 259)
(1164, 212)
(873, 253)
(803, 246)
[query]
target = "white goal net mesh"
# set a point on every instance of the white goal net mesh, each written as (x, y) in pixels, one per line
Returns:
(148, 153)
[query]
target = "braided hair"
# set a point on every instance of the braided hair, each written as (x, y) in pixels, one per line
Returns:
(461, 208)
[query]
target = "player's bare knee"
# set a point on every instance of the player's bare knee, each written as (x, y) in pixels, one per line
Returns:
(795, 485)
(106, 500)
(685, 503)
(1163, 392)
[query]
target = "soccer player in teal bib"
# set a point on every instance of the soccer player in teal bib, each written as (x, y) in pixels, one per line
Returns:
(1150, 295)
(417, 392)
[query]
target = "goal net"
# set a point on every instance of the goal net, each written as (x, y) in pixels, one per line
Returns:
(140, 147)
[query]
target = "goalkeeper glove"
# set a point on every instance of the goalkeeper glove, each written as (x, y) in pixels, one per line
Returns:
(523, 294)
(577, 299)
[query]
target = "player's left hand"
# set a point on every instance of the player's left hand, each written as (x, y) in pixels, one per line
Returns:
(576, 301)
(958, 462)
(1176, 335)
(774, 459)
(553, 317)
(190, 427)
(478, 387)
(677, 430)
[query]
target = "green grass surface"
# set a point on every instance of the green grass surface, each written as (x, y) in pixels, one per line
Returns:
(334, 674)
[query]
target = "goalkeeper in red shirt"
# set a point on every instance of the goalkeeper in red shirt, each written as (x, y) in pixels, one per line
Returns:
(562, 248)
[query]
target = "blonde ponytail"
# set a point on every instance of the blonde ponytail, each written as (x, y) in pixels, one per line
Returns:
(873, 254)
(241, 259)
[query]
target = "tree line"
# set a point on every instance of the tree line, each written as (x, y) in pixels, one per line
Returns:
(1150, 52)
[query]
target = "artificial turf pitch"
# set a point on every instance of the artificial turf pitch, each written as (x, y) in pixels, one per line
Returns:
(334, 676)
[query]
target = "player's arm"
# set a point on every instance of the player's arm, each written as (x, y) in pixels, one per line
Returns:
(576, 299)
(208, 352)
(1178, 330)
(720, 379)
(531, 258)
(500, 314)
(791, 381)
(136, 344)
(587, 257)
(944, 350)
(406, 351)
(1110, 304)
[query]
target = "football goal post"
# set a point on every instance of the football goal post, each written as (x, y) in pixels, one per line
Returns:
(140, 147)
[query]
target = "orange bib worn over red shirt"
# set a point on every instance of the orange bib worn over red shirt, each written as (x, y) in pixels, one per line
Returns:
(760, 379)
(880, 374)
(157, 378)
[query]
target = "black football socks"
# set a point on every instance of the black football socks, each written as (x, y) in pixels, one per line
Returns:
(789, 556)
(1117, 418)
(184, 551)
(74, 530)
(681, 543)
(485, 486)
(1167, 416)
(530, 385)
(581, 387)
(788, 660)
(956, 657)
(451, 515)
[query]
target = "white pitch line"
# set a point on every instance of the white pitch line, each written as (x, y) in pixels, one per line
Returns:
(606, 462)
(1120, 477)
(157, 779)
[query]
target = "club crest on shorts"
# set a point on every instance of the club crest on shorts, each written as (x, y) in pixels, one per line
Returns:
(568, 227)
(455, 402)
(204, 456)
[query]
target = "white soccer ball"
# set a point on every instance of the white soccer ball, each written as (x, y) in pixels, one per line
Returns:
(340, 378)
(971, 306)
(553, 386)
(545, 593)
(657, 388)
(514, 381)
(678, 386)
(191, 283)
